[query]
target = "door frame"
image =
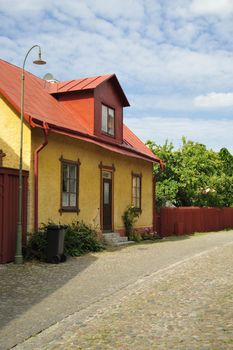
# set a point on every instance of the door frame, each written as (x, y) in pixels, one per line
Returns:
(111, 169)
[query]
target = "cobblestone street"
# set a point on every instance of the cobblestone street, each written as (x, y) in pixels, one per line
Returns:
(186, 304)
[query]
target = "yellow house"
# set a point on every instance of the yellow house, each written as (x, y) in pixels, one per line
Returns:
(83, 162)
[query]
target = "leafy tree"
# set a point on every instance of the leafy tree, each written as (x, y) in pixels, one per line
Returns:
(194, 175)
(227, 161)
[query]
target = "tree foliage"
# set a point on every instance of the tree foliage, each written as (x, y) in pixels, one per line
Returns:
(193, 175)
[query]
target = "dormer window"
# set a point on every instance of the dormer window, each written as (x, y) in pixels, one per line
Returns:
(108, 120)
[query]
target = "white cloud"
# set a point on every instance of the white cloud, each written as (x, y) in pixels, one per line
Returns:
(164, 52)
(212, 7)
(15, 7)
(214, 100)
(213, 133)
(141, 102)
(115, 9)
(142, 41)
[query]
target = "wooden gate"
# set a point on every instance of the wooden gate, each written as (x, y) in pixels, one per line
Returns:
(9, 182)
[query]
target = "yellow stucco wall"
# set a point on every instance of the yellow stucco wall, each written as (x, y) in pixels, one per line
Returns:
(10, 137)
(90, 157)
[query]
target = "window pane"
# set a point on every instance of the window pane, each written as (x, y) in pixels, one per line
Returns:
(73, 186)
(65, 199)
(64, 186)
(106, 193)
(65, 170)
(72, 171)
(110, 121)
(104, 118)
(73, 200)
(107, 175)
(134, 181)
(111, 112)
(65, 175)
(134, 192)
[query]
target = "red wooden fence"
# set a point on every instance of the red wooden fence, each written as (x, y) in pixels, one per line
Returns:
(186, 220)
(9, 183)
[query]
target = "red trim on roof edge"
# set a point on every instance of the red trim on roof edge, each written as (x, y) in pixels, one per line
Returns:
(102, 143)
(109, 147)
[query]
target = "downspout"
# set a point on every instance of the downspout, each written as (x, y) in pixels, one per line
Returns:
(153, 202)
(36, 162)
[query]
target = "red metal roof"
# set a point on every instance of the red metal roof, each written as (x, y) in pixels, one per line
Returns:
(86, 84)
(135, 142)
(42, 107)
(38, 103)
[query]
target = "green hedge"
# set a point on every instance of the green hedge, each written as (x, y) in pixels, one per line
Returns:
(79, 239)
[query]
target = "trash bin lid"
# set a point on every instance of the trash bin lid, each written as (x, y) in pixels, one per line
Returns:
(56, 227)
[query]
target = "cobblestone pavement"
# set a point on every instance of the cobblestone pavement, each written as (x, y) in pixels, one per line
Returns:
(170, 295)
(186, 306)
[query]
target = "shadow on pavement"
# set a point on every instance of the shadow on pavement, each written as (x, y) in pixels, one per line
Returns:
(24, 286)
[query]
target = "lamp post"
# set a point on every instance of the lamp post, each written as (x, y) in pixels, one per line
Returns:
(18, 252)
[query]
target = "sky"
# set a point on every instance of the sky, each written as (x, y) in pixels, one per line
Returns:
(173, 58)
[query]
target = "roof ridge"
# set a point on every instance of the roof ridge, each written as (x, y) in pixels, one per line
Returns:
(87, 77)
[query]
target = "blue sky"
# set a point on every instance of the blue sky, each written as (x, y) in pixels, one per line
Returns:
(173, 58)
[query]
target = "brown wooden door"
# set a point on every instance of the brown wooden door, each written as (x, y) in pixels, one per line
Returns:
(107, 205)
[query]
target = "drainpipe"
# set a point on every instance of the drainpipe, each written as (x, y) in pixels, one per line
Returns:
(153, 202)
(36, 161)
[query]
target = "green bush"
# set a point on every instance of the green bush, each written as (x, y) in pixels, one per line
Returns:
(129, 218)
(36, 246)
(135, 236)
(79, 239)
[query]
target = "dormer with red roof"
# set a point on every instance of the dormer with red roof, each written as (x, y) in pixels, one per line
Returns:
(97, 101)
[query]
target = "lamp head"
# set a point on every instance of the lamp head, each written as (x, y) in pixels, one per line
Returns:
(39, 61)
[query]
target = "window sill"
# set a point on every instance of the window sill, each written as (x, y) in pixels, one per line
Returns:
(107, 134)
(137, 210)
(69, 210)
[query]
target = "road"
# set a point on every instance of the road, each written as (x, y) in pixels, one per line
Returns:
(171, 294)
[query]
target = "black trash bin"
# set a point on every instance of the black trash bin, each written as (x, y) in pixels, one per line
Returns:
(55, 244)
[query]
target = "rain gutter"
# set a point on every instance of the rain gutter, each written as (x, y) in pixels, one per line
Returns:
(36, 179)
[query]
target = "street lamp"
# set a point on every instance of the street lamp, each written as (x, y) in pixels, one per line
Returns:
(18, 252)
